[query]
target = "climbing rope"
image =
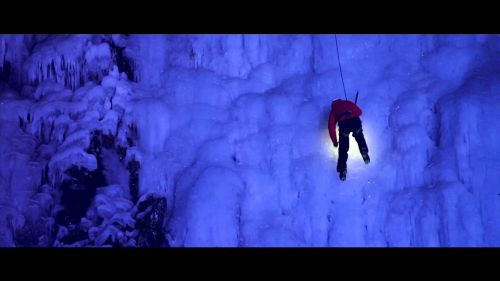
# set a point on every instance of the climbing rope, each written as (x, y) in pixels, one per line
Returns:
(340, 66)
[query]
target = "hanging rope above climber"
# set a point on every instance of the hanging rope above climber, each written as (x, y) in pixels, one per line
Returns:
(340, 66)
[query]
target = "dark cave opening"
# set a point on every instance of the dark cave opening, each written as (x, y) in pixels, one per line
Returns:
(123, 63)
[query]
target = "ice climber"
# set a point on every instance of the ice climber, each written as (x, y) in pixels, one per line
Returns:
(346, 113)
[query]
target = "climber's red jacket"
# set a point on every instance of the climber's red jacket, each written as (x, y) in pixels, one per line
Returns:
(341, 110)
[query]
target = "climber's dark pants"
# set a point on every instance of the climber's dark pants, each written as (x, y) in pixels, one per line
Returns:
(351, 125)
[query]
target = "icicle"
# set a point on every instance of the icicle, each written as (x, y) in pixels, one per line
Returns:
(3, 51)
(62, 63)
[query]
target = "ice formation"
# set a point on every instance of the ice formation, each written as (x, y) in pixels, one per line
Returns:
(221, 140)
